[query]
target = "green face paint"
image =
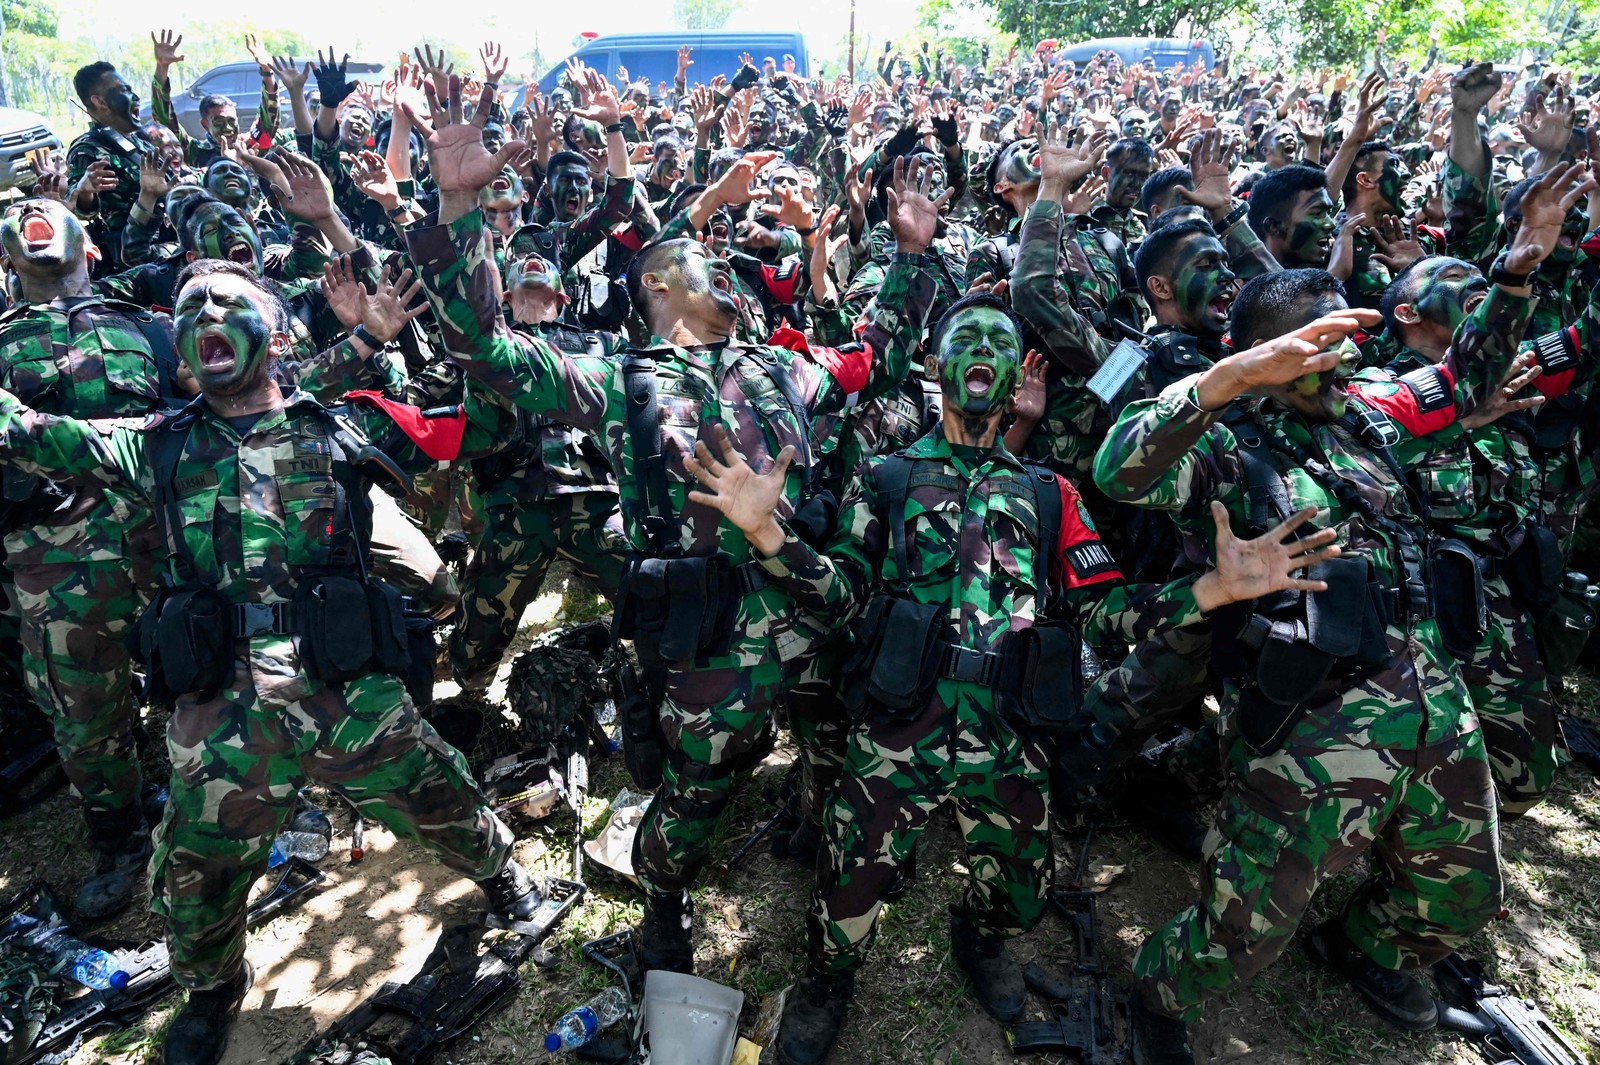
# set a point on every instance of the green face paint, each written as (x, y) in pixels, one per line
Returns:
(228, 182)
(355, 128)
(1573, 229)
(1392, 181)
(1322, 396)
(223, 326)
(1448, 291)
(1126, 182)
(533, 271)
(570, 190)
(980, 362)
(504, 193)
(1020, 164)
(223, 125)
(1203, 287)
(1310, 228)
(42, 238)
(217, 231)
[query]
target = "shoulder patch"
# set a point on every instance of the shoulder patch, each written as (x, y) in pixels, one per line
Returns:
(1381, 388)
(1083, 516)
(1430, 387)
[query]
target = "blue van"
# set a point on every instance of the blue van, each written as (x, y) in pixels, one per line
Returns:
(655, 55)
(1164, 52)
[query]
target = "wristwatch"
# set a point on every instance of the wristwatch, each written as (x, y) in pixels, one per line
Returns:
(405, 205)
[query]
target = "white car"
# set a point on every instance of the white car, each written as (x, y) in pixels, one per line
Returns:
(20, 133)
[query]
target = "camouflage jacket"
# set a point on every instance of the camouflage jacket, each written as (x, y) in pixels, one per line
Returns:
(729, 384)
(1170, 454)
(203, 152)
(946, 264)
(546, 458)
(123, 152)
(972, 544)
(589, 230)
(1130, 226)
(879, 426)
(256, 508)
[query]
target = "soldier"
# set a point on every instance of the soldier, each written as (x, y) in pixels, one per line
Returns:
(1292, 213)
(73, 553)
(710, 630)
(1343, 735)
(1128, 165)
(218, 114)
(108, 154)
(548, 494)
(280, 653)
(962, 548)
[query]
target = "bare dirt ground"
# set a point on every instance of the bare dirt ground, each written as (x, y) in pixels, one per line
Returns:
(376, 920)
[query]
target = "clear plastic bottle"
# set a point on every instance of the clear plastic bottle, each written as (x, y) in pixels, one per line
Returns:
(577, 1026)
(308, 836)
(72, 958)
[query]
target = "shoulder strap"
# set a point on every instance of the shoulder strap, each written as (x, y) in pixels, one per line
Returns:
(164, 446)
(894, 482)
(659, 520)
(352, 504)
(1048, 501)
(779, 372)
(161, 350)
(1269, 498)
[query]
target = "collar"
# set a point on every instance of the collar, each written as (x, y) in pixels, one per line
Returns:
(935, 445)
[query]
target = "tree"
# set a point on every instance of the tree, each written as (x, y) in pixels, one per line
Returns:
(1078, 20)
(704, 14)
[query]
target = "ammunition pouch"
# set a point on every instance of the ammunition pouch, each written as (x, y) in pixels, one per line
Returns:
(184, 639)
(423, 657)
(685, 607)
(1338, 632)
(639, 714)
(1041, 681)
(348, 629)
(898, 658)
(1533, 571)
(1460, 609)
(1562, 631)
(816, 519)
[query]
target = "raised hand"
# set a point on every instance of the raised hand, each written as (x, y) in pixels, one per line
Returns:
(1249, 569)
(737, 183)
(1028, 401)
(262, 57)
(166, 51)
(822, 253)
(1342, 260)
(494, 63)
(392, 304)
(1062, 163)
(1474, 86)
(435, 69)
(749, 500)
(1308, 349)
(1544, 211)
(332, 85)
(1208, 164)
(293, 76)
(1396, 249)
(684, 62)
(370, 174)
(343, 292)
(98, 178)
(1547, 129)
(457, 160)
(1086, 197)
(154, 183)
(791, 208)
(309, 198)
(1500, 401)
(913, 215)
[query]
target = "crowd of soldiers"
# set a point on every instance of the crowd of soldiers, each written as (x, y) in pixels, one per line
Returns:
(978, 424)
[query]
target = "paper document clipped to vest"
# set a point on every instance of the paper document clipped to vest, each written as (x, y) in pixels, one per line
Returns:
(1118, 369)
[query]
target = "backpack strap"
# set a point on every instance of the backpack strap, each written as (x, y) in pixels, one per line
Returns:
(1048, 501)
(893, 477)
(1269, 498)
(161, 350)
(660, 520)
(164, 447)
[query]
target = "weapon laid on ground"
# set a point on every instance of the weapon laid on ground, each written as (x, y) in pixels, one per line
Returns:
(1091, 1011)
(1583, 740)
(1514, 1031)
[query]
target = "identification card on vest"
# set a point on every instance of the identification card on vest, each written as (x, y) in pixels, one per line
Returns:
(1125, 360)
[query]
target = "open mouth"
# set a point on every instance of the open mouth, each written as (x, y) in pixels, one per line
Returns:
(37, 230)
(1474, 300)
(501, 184)
(978, 380)
(573, 204)
(1566, 242)
(1220, 305)
(242, 254)
(216, 353)
(721, 281)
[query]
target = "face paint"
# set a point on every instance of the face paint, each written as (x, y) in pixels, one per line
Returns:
(1311, 230)
(1573, 229)
(980, 362)
(1020, 166)
(228, 182)
(668, 167)
(532, 271)
(355, 127)
(1322, 396)
(121, 100)
(703, 277)
(1136, 125)
(176, 194)
(1392, 181)
(1171, 106)
(1286, 144)
(1126, 182)
(42, 238)
(1449, 291)
(1203, 287)
(217, 231)
(223, 326)
(570, 190)
(223, 124)
(720, 236)
(504, 193)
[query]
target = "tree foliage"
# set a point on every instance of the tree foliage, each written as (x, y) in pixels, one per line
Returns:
(704, 14)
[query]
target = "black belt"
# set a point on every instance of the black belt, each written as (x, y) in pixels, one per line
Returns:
(262, 619)
(963, 663)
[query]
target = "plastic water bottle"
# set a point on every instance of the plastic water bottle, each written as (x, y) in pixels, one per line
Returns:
(606, 718)
(308, 836)
(577, 1026)
(73, 958)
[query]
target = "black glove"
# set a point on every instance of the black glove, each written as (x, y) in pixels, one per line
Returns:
(332, 88)
(837, 120)
(904, 139)
(747, 76)
(945, 129)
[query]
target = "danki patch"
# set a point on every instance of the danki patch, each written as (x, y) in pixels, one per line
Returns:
(1430, 388)
(1090, 560)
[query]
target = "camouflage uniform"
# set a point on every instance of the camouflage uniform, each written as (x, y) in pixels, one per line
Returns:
(1391, 759)
(716, 708)
(240, 756)
(972, 543)
(549, 494)
(75, 571)
(203, 152)
(122, 152)
(1130, 225)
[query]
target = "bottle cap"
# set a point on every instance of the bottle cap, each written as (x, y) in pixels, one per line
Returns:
(552, 1042)
(119, 980)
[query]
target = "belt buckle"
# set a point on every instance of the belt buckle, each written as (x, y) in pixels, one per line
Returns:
(256, 619)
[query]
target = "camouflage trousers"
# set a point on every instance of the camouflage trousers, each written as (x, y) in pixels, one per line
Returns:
(78, 596)
(509, 564)
(896, 774)
(436, 493)
(1291, 819)
(1511, 693)
(819, 724)
(238, 760)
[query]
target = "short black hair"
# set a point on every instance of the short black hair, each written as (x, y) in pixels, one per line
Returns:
(1160, 246)
(1270, 133)
(213, 102)
(991, 172)
(1358, 165)
(88, 78)
(1511, 205)
(1267, 306)
(1161, 182)
(721, 160)
(565, 158)
(649, 260)
(210, 267)
(1274, 192)
(1184, 212)
(968, 302)
(1130, 149)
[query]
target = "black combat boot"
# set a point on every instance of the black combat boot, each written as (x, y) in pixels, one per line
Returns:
(996, 977)
(122, 844)
(1155, 1039)
(1397, 997)
(512, 892)
(199, 1033)
(813, 1016)
(665, 934)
